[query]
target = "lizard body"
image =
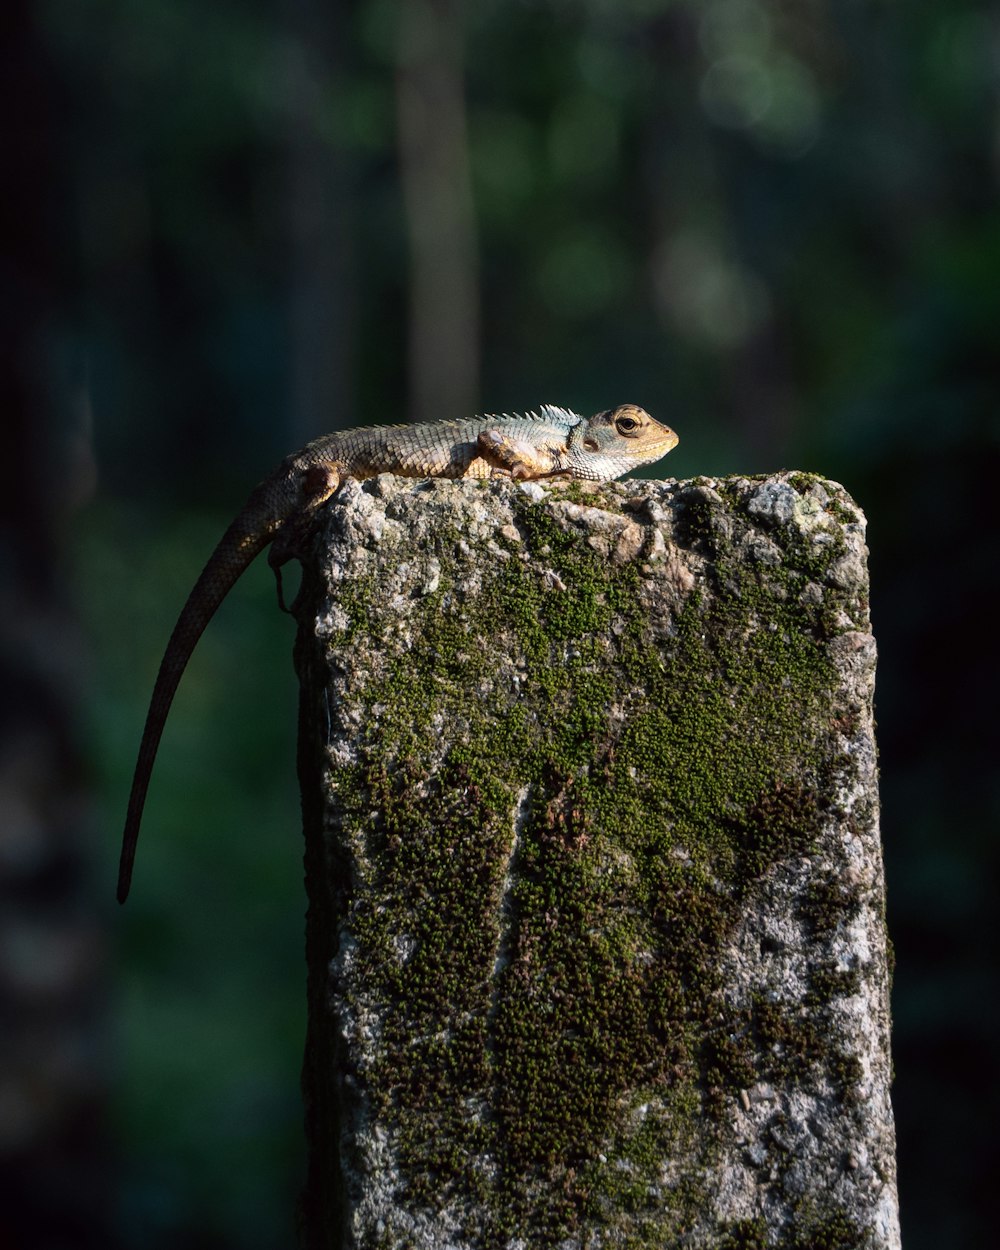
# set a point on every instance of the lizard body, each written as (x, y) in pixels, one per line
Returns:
(553, 443)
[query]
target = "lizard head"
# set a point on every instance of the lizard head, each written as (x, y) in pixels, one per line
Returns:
(611, 443)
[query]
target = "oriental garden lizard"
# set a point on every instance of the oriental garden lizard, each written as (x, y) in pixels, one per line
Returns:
(553, 443)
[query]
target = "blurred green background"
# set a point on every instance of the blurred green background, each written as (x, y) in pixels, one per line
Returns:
(775, 225)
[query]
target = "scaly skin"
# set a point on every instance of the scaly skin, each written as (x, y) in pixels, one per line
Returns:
(555, 443)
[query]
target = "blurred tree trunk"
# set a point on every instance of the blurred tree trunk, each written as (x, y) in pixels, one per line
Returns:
(52, 969)
(434, 166)
(709, 291)
(320, 285)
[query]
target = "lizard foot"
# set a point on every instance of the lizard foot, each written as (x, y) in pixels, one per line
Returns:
(318, 483)
(516, 456)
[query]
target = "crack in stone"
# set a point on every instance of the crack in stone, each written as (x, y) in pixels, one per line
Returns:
(506, 908)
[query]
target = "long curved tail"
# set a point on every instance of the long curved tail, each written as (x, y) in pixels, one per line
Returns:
(248, 535)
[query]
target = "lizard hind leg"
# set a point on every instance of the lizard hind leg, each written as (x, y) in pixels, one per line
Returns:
(317, 484)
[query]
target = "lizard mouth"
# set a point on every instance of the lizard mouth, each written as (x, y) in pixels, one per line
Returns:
(667, 441)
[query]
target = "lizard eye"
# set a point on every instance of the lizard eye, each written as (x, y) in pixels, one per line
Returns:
(626, 425)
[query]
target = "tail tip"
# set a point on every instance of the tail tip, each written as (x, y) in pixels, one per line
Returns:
(124, 881)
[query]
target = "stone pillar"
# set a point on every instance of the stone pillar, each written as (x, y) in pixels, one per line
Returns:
(596, 931)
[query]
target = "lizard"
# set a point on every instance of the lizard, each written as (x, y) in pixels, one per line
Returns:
(552, 443)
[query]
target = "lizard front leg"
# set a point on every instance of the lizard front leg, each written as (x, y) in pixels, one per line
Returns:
(517, 456)
(317, 484)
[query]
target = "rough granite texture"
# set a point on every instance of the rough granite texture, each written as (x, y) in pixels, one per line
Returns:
(596, 932)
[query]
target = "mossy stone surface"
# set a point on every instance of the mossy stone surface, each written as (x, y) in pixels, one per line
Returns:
(596, 939)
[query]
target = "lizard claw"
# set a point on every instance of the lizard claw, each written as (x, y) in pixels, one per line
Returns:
(283, 606)
(276, 558)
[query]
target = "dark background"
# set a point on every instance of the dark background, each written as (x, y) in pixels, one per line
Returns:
(234, 226)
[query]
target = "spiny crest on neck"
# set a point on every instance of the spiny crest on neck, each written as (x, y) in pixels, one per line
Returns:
(546, 412)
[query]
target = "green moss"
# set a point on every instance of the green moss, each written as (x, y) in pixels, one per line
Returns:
(826, 1230)
(744, 1235)
(828, 983)
(789, 1041)
(803, 482)
(657, 778)
(828, 903)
